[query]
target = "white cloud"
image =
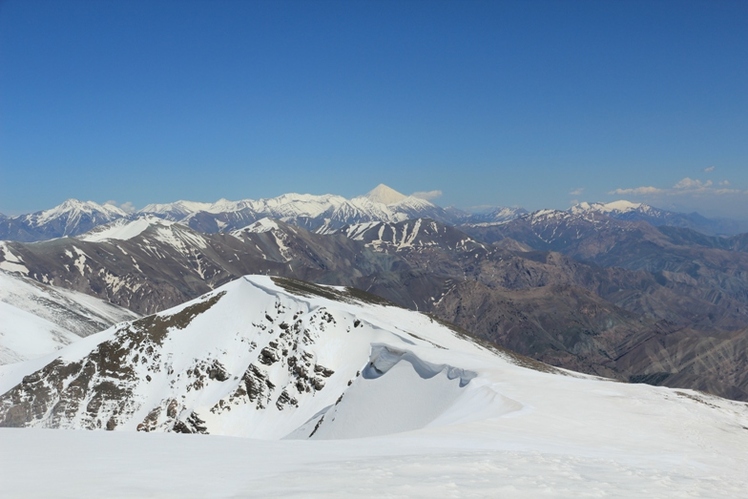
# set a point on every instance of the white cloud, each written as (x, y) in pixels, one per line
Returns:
(691, 185)
(711, 198)
(427, 195)
(127, 206)
(684, 187)
(638, 191)
(576, 192)
(709, 169)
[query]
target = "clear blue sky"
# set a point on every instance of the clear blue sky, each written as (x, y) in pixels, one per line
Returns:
(530, 103)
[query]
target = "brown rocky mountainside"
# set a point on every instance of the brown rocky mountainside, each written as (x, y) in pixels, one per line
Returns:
(663, 312)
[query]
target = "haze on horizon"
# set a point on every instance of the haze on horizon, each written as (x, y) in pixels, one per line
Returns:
(537, 104)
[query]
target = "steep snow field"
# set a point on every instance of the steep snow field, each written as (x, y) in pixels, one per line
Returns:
(24, 335)
(393, 405)
(36, 319)
(124, 229)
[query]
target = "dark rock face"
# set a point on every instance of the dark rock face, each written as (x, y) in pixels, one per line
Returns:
(100, 392)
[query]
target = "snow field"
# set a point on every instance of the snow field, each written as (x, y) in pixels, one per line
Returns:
(412, 409)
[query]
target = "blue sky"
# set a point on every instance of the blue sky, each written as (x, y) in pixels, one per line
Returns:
(529, 103)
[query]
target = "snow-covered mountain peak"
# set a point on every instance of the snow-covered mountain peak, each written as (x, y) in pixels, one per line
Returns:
(263, 225)
(490, 215)
(265, 358)
(546, 214)
(385, 195)
(617, 207)
(271, 358)
(321, 213)
(123, 229)
(177, 209)
(73, 210)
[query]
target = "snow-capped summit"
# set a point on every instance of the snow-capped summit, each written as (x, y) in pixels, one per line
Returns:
(150, 231)
(385, 195)
(176, 210)
(258, 227)
(321, 213)
(70, 218)
(72, 210)
(266, 358)
(124, 229)
(615, 207)
(492, 215)
(641, 212)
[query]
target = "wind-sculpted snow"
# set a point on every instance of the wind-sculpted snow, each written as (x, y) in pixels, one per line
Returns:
(397, 391)
(284, 359)
(258, 357)
(384, 358)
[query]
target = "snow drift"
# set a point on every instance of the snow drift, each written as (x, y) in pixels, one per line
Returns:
(281, 359)
(261, 357)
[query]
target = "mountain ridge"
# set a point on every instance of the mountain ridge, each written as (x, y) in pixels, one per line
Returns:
(323, 213)
(546, 305)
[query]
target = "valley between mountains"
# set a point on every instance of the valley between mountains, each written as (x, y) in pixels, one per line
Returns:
(599, 288)
(514, 351)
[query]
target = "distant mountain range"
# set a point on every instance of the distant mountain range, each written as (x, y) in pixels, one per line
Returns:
(620, 289)
(318, 213)
(322, 214)
(71, 218)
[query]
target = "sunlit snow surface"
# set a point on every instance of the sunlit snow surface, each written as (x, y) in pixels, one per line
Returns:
(36, 319)
(470, 423)
(540, 455)
(123, 229)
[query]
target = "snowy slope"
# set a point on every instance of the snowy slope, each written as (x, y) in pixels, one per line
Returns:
(253, 359)
(322, 213)
(315, 212)
(385, 195)
(409, 234)
(24, 335)
(439, 414)
(11, 262)
(626, 210)
(124, 229)
(36, 319)
(615, 207)
(68, 219)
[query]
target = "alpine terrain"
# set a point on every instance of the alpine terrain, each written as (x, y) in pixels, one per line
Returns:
(344, 393)
(584, 289)
(36, 319)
